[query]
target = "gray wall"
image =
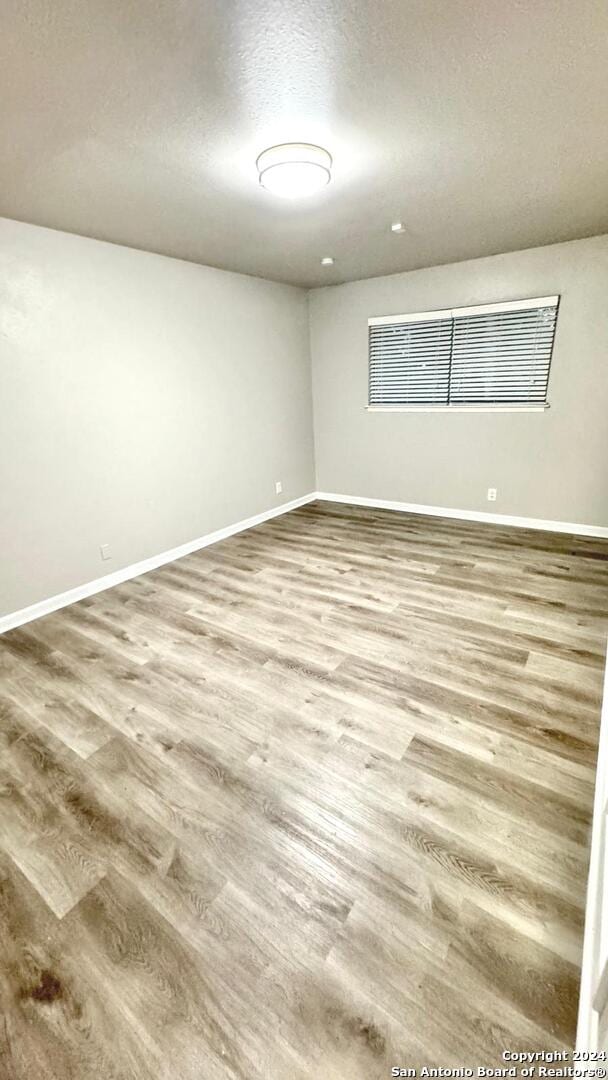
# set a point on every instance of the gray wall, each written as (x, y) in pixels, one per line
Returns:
(144, 402)
(551, 465)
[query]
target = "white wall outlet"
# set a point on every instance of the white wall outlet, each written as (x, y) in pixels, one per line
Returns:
(105, 552)
(278, 487)
(491, 494)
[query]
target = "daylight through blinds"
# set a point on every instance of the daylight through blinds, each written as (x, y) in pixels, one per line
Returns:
(495, 354)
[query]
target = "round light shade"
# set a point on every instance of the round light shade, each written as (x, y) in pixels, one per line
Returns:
(294, 170)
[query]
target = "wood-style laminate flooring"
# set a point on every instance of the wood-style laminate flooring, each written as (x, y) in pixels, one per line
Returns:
(312, 802)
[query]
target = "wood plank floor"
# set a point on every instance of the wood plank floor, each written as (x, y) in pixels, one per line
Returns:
(313, 802)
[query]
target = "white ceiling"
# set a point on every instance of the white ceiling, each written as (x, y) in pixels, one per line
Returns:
(481, 124)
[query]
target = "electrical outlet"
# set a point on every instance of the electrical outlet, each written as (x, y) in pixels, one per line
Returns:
(278, 487)
(491, 494)
(105, 552)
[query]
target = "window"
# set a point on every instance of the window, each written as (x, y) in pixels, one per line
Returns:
(491, 356)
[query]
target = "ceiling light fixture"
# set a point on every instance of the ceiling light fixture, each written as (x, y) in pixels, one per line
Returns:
(397, 227)
(294, 170)
(327, 261)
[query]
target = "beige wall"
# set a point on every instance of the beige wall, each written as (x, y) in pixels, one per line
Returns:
(551, 465)
(144, 402)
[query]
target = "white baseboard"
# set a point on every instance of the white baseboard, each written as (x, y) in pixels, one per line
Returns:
(45, 607)
(468, 515)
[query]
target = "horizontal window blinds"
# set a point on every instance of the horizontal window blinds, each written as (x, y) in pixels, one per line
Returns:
(494, 354)
(410, 361)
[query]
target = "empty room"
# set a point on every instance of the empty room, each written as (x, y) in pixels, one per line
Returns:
(303, 539)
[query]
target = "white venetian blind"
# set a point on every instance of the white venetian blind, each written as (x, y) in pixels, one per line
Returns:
(490, 355)
(409, 359)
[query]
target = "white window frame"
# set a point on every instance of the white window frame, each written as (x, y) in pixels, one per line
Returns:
(450, 313)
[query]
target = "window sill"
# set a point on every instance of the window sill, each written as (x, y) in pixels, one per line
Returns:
(458, 408)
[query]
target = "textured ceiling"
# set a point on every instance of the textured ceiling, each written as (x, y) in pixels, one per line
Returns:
(481, 124)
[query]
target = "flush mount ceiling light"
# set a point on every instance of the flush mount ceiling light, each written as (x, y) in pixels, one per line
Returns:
(294, 170)
(327, 261)
(397, 227)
